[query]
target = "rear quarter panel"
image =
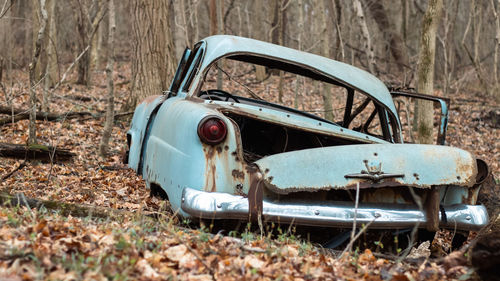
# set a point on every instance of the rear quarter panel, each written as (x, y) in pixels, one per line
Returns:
(175, 157)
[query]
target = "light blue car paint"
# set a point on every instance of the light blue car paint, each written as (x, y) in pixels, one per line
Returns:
(172, 156)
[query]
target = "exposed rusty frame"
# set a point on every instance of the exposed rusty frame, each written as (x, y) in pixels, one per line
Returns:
(255, 196)
(443, 102)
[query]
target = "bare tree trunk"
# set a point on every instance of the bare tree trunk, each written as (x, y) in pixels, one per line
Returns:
(87, 25)
(98, 48)
(425, 77)
(32, 74)
(259, 33)
(220, 30)
(37, 19)
(425, 74)
(396, 44)
(281, 30)
(300, 24)
(325, 51)
(153, 62)
(474, 57)
(449, 22)
(495, 11)
(181, 28)
(51, 70)
(213, 17)
(358, 9)
(83, 64)
(108, 126)
(335, 17)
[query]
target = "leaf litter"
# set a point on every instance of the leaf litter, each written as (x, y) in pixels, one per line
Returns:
(38, 244)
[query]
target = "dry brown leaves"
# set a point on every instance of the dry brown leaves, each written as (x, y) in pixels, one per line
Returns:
(38, 245)
(35, 245)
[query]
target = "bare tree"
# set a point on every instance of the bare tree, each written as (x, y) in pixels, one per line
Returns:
(87, 26)
(476, 19)
(358, 10)
(32, 74)
(425, 71)
(325, 51)
(425, 79)
(51, 68)
(495, 10)
(259, 33)
(391, 34)
(108, 125)
(153, 61)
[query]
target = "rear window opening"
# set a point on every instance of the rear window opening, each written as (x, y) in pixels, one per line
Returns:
(287, 87)
(260, 139)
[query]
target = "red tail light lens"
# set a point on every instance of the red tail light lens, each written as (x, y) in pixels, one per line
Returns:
(212, 130)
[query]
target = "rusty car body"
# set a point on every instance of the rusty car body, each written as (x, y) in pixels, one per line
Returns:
(220, 155)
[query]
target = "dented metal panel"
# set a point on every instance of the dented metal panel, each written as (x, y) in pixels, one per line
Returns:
(370, 165)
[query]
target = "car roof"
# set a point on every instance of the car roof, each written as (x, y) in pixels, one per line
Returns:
(218, 46)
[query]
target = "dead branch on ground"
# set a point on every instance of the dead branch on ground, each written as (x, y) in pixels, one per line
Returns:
(34, 152)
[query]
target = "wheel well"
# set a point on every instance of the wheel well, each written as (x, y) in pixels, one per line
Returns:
(157, 191)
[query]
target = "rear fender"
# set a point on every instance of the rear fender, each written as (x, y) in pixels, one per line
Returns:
(175, 158)
(138, 130)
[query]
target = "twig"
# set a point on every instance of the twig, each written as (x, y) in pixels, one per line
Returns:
(20, 166)
(26, 204)
(365, 227)
(354, 219)
(69, 68)
(6, 9)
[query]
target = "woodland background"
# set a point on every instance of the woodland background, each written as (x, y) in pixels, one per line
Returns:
(77, 68)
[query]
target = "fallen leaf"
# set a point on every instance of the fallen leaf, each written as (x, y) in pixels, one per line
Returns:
(175, 253)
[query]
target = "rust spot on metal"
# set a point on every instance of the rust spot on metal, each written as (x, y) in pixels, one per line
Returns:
(237, 174)
(226, 147)
(219, 149)
(252, 168)
(210, 169)
(432, 209)
(255, 197)
(212, 176)
(266, 171)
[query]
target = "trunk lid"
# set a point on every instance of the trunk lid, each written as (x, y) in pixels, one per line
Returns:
(371, 165)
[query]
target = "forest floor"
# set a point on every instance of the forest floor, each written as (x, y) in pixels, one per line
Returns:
(40, 244)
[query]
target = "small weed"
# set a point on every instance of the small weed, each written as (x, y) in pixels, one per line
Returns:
(247, 236)
(204, 235)
(304, 248)
(122, 244)
(11, 221)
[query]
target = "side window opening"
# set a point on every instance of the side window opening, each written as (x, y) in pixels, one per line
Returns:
(191, 67)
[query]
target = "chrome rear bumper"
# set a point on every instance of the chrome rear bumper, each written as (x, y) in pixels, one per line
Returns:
(213, 205)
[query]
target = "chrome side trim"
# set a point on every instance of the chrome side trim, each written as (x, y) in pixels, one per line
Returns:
(213, 205)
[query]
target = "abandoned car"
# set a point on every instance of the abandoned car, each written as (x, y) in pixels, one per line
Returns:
(254, 131)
